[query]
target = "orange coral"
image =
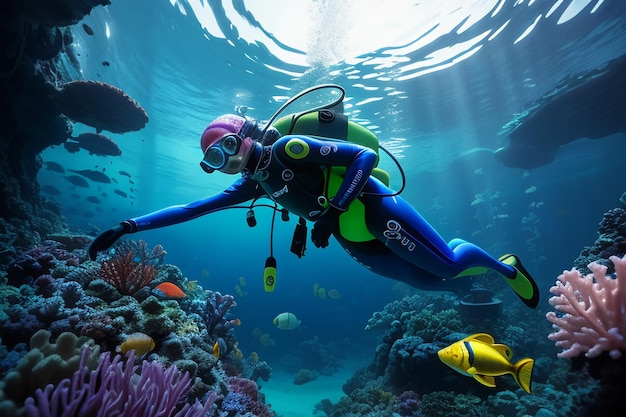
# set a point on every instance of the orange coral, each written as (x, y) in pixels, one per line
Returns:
(126, 275)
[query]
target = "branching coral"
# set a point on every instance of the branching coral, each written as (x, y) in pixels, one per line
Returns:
(215, 311)
(594, 308)
(157, 253)
(114, 388)
(140, 249)
(126, 275)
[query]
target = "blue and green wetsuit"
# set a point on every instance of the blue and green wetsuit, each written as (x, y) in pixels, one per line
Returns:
(307, 174)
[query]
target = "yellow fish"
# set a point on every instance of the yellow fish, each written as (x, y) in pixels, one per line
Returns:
(321, 293)
(216, 350)
(237, 354)
(141, 343)
(480, 357)
(266, 340)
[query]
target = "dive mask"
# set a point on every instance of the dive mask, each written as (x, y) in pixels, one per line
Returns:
(223, 153)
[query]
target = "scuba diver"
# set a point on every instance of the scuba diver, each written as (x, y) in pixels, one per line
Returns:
(322, 167)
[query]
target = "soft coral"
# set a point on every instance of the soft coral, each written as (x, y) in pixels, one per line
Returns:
(126, 275)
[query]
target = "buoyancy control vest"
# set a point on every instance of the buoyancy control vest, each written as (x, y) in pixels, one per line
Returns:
(328, 124)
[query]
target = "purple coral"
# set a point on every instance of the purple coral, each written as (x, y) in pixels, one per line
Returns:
(28, 267)
(103, 329)
(45, 285)
(216, 308)
(140, 250)
(156, 254)
(594, 308)
(72, 293)
(19, 326)
(39, 261)
(408, 403)
(115, 388)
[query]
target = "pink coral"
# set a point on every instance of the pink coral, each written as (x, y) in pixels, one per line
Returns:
(594, 308)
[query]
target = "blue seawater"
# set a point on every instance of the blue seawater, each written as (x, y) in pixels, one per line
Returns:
(436, 81)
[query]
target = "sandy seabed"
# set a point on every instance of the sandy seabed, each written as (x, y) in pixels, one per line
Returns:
(290, 400)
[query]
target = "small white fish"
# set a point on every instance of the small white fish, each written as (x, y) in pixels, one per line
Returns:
(286, 321)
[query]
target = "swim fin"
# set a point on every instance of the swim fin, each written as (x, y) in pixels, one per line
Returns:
(523, 284)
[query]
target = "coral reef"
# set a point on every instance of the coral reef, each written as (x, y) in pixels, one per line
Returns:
(141, 251)
(304, 376)
(118, 387)
(408, 404)
(52, 288)
(319, 357)
(363, 402)
(45, 363)
(611, 241)
(243, 399)
(593, 319)
(450, 404)
(592, 308)
(405, 365)
(258, 369)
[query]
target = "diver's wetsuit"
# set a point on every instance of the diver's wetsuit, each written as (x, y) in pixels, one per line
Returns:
(294, 172)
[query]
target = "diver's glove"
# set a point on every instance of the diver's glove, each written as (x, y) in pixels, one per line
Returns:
(107, 238)
(324, 227)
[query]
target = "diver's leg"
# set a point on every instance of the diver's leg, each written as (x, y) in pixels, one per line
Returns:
(455, 242)
(378, 258)
(406, 233)
(509, 266)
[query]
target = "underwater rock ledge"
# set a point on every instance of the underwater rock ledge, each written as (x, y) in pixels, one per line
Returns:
(34, 35)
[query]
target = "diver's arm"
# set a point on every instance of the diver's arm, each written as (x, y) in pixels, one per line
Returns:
(358, 160)
(359, 169)
(239, 192)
